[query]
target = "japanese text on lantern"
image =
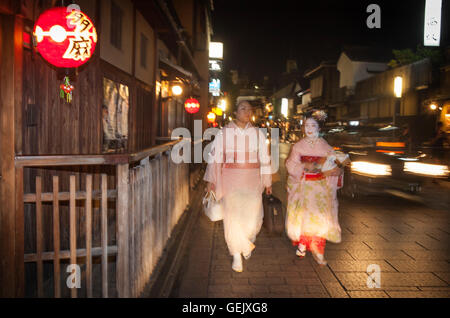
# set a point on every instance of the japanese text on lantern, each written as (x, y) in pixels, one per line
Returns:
(80, 46)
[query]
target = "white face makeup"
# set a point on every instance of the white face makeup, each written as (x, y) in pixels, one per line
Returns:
(311, 128)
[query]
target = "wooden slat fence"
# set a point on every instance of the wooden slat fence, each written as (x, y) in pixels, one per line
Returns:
(148, 200)
(159, 193)
(73, 253)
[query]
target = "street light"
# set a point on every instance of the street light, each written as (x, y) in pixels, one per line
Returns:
(223, 105)
(433, 106)
(398, 87)
(177, 90)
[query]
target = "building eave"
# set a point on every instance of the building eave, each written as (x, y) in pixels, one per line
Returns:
(322, 65)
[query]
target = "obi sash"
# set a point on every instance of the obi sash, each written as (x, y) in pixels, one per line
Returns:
(313, 176)
(313, 159)
(313, 172)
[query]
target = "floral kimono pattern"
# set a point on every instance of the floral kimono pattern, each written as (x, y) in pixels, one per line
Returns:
(312, 210)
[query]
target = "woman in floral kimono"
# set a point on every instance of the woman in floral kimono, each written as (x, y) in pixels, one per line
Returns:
(239, 171)
(312, 211)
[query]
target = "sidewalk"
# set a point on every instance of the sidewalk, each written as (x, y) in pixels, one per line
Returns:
(410, 242)
(413, 257)
(272, 271)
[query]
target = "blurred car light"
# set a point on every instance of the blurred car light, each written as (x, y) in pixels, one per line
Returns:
(387, 128)
(359, 153)
(369, 168)
(391, 144)
(390, 152)
(426, 169)
(409, 159)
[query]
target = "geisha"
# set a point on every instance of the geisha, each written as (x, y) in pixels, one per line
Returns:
(312, 210)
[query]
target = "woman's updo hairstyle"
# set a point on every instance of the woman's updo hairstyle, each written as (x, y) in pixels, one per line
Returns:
(318, 115)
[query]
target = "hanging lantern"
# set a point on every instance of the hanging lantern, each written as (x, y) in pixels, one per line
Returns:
(65, 38)
(192, 105)
(211, 117)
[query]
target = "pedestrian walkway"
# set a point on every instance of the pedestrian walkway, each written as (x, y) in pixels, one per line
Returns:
(409, 242)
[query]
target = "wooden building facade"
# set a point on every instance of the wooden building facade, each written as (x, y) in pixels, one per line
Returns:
(372, 99)
(91, 182)
(324, 88)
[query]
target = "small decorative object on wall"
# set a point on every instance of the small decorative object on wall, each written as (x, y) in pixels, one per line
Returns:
(66, 90)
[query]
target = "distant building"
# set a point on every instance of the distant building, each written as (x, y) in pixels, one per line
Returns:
(288, 92)
(355, 64)
(324, 87)
(358, 63)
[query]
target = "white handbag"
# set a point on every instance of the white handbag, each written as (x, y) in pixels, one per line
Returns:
(212, 207)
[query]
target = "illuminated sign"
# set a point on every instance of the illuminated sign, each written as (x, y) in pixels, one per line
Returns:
(216, 50)
(214, 87)
(215, 65)
(432, 30)
(284, 107)
(65, 38)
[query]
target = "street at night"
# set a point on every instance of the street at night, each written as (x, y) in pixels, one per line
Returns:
(409, 241)
(225, 156)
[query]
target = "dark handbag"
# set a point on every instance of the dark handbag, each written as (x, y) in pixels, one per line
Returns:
(273, 215)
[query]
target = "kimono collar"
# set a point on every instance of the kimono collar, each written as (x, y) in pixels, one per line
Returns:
(248, 125)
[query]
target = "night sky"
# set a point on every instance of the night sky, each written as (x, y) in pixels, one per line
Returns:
(259, 36)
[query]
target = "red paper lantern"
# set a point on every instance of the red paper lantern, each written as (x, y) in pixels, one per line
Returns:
(192, 105)
(65, 38)
(211, 117)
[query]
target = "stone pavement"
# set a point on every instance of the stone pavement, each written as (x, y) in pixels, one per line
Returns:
(410, 244)
(408, 241)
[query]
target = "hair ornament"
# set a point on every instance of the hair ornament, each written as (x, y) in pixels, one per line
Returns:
(319, 115)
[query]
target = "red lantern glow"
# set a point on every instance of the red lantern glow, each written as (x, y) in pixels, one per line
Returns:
(65, 38)
(211, 117)
(192, 105)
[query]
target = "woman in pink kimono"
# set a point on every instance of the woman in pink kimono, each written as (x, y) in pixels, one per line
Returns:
(312, 210)
(239, 171)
